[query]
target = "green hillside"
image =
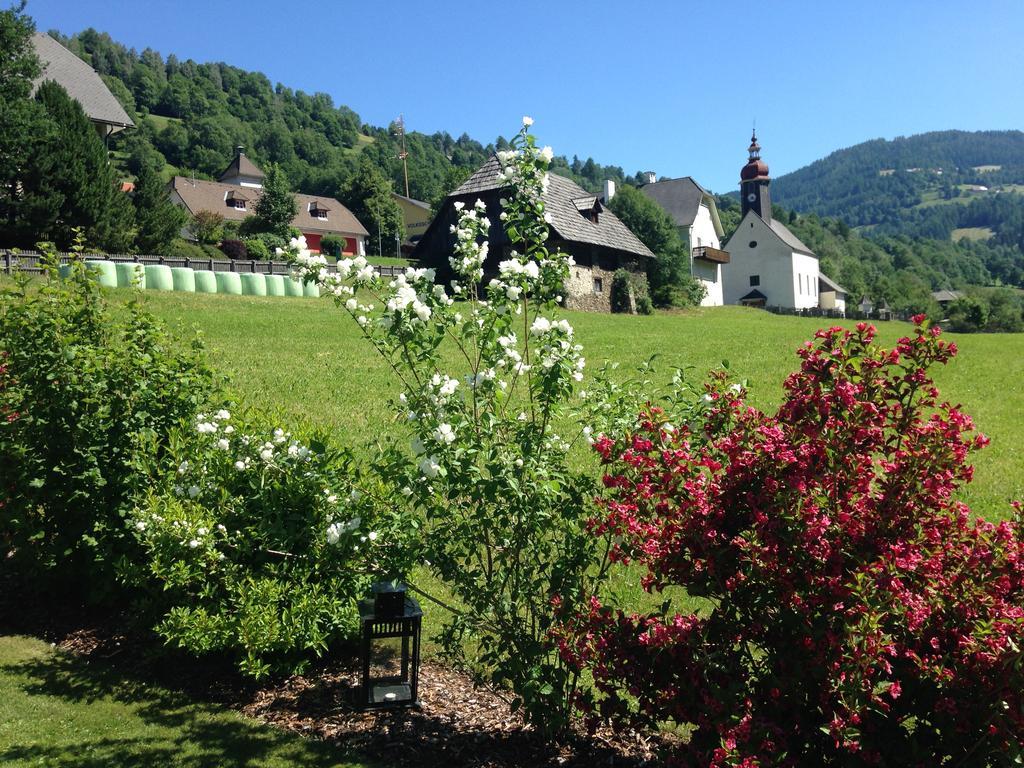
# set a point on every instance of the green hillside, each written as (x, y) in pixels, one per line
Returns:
(873, 182)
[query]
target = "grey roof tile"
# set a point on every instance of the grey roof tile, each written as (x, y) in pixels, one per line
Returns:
(202, 195)
(830, 284)
(680, 198)
(567, 221)
(81, 82)
(789, 238)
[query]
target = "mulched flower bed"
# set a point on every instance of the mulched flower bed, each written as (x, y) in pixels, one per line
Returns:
(457, 723)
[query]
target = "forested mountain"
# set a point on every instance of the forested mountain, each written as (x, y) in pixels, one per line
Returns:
(194, 115)
(946, 184)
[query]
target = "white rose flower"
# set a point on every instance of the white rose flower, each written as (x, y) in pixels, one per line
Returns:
(193, 544)
(527, 121)
(429, 466)
(372, 535)
(239, 465)
(444, 434)
(223, 444)
(333, 533)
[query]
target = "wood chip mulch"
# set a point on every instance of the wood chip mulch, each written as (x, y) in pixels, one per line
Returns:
(457, 723)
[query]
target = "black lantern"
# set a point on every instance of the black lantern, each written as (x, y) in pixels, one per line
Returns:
(391, 621)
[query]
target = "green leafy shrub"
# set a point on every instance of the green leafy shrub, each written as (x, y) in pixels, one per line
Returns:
(263, 544)
(630, 293)
(91, 397)
(256, 249)
(332, 245)
(620, 297)
(183, 249)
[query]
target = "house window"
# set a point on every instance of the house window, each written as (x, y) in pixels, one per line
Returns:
(598, 285)
(239, 204)
(755, 280)
(320, 213)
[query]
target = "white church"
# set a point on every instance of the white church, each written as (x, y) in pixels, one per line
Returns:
(769, 266)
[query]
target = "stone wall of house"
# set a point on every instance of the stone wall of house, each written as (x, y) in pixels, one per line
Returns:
(581, 289)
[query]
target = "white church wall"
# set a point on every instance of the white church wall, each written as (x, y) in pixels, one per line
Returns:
(755, 251)
(805, 281)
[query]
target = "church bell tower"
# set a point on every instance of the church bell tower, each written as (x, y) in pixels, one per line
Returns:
(754, 181)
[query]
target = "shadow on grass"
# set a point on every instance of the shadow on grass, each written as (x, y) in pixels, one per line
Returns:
(174, 729)
(177, 730)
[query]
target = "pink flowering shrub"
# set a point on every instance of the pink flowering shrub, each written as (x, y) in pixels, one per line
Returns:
(856, 613)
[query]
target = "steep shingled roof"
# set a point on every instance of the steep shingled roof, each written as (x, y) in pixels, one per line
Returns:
(212, 196)
(830, 284)
(679, 197)
(81, 82)
(789, 238)
(567, 222)
(242, 166)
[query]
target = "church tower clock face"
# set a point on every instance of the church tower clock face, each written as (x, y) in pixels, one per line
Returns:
(752, 197)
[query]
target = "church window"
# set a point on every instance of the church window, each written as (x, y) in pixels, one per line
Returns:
(755, 280)
(753, 243)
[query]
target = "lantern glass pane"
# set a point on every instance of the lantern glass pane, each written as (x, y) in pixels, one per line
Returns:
(386, 658)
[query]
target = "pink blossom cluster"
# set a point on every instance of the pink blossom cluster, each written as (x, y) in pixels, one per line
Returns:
(853, 612)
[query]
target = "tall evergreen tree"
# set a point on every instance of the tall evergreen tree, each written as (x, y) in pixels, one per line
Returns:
(157, 220)
(368, 196)
(23, 120)
(276, 207)
(71, 166)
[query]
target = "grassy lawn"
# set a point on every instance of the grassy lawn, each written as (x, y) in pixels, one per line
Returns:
(301, 360)
(56, 710)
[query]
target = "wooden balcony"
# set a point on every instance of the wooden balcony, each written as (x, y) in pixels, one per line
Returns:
(714, 255)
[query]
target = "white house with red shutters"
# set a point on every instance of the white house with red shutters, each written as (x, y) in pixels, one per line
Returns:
(240, 186)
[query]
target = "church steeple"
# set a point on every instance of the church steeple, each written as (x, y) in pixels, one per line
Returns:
(754, 181)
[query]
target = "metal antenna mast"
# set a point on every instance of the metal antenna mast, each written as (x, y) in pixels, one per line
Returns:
(403, 154)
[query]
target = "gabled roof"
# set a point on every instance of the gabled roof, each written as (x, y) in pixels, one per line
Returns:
(830, 284)
(566, 219)
(202, 195)
(788, 237)
(81, 82)
(241, 166)
(681, 200)
(947, 295)
(412, 201)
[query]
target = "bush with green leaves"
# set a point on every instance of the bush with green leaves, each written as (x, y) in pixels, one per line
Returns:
(630, 294)
(256, 249)
(264, 542)
(502, 510)
(91, 394)
(332, 245)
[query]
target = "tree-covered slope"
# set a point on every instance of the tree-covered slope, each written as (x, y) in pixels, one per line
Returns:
(876, 181)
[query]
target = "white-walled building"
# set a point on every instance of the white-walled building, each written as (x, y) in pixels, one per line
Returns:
(769, 265)
(693, 211)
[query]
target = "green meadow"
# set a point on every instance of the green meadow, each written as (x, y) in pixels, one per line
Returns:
(303, 361)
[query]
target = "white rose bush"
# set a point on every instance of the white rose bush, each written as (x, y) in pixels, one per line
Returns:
(487, 369)
(263, 542)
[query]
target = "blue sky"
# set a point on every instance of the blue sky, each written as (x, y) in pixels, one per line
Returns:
(666, 86)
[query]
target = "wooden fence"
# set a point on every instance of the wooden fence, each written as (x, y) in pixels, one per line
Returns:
(850, 314)
(28, 261)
